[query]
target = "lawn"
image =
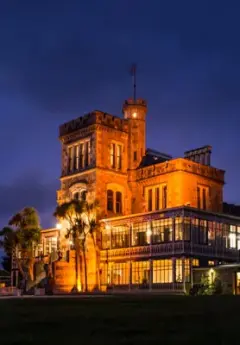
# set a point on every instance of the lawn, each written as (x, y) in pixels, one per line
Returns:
(121, 320)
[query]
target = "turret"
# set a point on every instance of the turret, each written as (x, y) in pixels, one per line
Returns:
(135, 113)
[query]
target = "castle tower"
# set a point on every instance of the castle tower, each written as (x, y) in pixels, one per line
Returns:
(135, 112)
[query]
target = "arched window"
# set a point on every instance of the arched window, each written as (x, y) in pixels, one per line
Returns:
(84, 195)
(76, 196)
(110, 200)
(118, 202)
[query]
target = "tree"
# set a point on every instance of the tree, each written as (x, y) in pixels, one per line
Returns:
(22, 235)
(72, 212)
(81, 219)
(90, 212)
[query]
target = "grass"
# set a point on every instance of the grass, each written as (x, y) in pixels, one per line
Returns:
(121, 320)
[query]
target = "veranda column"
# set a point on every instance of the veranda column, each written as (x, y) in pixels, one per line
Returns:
(150, 260)
(173, 272)
(191, 271)
(130, 263)
(183, 274)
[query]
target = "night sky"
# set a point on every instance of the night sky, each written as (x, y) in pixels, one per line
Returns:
(61, 59)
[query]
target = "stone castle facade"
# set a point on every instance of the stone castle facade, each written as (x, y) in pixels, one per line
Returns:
(104, 158)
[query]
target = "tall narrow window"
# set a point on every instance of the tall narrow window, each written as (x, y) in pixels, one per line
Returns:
(86, 154)
(157, 199)
(135, 155)
(164, 200)
(76, 157)
(81, 156)
(118, 202)
(75, 149)
(204, 205)
(119, 157)
(84, 195)
(110, 200)
(70, 158)
(150, 200)
(112, 155)
(198, 198)
(76, 196)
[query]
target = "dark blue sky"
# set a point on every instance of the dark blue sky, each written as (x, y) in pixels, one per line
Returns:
(60, 59)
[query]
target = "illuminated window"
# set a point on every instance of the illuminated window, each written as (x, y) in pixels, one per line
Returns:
(79, 156)
(112, 155)
(178, 229)
(203, 231)
(186, 228)
(232, 237)
(50, 245)
(119, 157)
(139, 233)
(195, 262)
(104, 274)
(116, 156)
(162, 230)
(211, 233)
(211, 263)
(156, 197)
(202, 194)
(106, 239)
(87, 153)
(120, 273)
(187, 270)
(118, 202)
(120, 236)
(140, 272)
(162, 271)
(179, 271)
(110, 200)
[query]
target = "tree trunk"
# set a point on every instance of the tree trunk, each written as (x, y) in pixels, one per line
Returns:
(31, 268)
(20, 267)
(78, 278)
(97, 267)
(85, 269)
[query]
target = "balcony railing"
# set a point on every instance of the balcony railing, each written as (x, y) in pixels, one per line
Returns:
(165, 249)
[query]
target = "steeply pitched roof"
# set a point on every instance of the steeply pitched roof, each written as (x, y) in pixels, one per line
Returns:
(154, 157)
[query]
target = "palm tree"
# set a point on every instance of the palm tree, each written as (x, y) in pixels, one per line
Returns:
(23, 236)
(91, 211)
(81, 222)
(72, 212)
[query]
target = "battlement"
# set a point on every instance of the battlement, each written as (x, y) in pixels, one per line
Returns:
(95, 117)
(180, 164)
(139, 101)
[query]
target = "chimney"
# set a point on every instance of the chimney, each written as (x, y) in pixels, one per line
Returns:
(201, 155)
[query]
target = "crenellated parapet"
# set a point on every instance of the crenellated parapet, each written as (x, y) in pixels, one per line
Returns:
(95, 117)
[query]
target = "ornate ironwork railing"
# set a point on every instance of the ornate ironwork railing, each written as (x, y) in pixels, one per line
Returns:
(167, 249)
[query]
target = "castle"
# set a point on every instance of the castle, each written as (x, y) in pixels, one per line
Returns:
(160, 216)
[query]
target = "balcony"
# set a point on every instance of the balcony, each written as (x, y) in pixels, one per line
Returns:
(169, 249)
